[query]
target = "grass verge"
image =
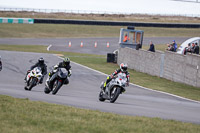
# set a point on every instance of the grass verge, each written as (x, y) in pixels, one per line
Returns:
(160, 47)
(24, 116)
(66, 31)
(98, 62)
(107, 17)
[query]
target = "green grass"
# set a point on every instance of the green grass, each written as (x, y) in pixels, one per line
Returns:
(79, 31)
(24, 116)
(107, 17)
(160, 47)
(99, 63)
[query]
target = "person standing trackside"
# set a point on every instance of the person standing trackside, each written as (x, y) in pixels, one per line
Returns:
(126, 38)
(196, 48)
(174, 45)
(151, 48)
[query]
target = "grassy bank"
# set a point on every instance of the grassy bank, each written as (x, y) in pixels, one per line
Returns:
(24, 116)
(160, 47)
(100, 64)
(80, 31)
(109, 17)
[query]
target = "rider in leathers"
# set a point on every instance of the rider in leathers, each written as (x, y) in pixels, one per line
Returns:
(64, 64)
(0, 64)
(43, 67)
(123, 69)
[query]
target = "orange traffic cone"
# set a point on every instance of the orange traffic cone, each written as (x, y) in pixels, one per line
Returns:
(70, 44)
(81, 44)
(95, 44)
(108, 45)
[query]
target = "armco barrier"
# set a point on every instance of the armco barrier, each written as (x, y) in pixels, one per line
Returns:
(17, 20)
(111, 23)
(169, 65)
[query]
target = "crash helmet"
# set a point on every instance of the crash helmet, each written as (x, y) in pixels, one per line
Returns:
(66, 61)
(123, 67)
(41, 60)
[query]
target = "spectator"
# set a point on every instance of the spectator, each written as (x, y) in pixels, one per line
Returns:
(187, 49)
(151, 48)
(192, 48)
(174, 45)
(170, 47)
(196, 48)
(126, 38)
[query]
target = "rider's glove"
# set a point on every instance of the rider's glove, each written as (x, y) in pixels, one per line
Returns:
(69, 74)
(111, 76)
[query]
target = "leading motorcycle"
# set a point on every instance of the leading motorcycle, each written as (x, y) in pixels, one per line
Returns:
(33, 78)
(114, 88)
(60, 79)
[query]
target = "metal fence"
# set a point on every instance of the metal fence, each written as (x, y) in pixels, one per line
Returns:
(59, 11)
(85, 12)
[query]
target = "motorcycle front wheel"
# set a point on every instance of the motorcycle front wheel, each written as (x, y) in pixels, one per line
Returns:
(32, 83)
(115, 91)
(57, 85)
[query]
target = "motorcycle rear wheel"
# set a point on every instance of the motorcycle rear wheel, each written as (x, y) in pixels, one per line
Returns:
(47, 90)
(101, 96)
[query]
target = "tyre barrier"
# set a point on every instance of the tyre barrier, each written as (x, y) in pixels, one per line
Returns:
(111, 23)
(92, 22)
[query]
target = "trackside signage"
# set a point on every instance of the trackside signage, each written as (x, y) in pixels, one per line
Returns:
(17, 20)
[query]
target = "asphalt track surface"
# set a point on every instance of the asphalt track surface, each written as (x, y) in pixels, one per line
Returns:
(62, 44)
(83, 90)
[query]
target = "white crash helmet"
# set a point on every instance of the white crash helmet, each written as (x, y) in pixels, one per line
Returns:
(123, 67)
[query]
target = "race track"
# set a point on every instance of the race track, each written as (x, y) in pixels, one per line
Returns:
(61, 44)
(84, 88)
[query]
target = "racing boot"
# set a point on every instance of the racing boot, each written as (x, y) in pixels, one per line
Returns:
(104, 87)
(41, 80)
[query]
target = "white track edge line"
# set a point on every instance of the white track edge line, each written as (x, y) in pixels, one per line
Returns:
(49, 47)
(135, 84)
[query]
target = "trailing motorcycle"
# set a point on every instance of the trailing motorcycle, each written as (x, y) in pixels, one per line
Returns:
(33, 78)
(60, 79)
(114, 88)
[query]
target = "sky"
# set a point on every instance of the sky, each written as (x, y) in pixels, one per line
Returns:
(173, 7)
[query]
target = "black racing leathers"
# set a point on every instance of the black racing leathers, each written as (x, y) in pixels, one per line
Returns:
(42, 66)
(0, 65)
(53, 75)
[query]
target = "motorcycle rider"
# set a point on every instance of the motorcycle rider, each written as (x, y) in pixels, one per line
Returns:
(64, 64)
(123, 69)
(0, 64)
(43, 67)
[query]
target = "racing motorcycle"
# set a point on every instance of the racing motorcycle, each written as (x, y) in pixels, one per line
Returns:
(114, 88)
(60, 79)
(33, 78)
